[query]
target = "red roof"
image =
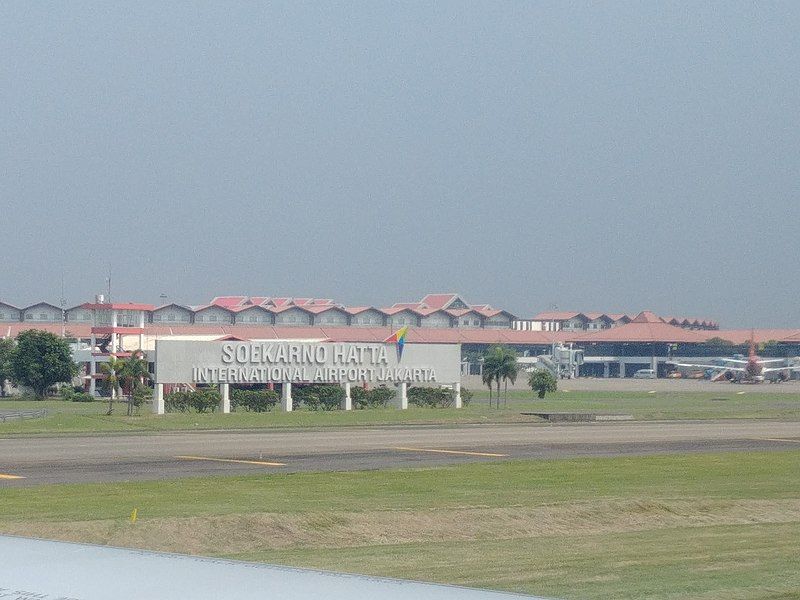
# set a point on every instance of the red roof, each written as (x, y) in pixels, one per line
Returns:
(595, 315)
(398, 309)
(643, 331)
(81, 330)
(279, 301)
(238, 309)
(228, 301)
(630, 333)
(173, 305)
(117, 306)
(647, 316)
(198, 309)
(556, 316)
(438, 300)
(493, 312)
(313, 308)
(742, 336)
(354, 310)
(460, 312)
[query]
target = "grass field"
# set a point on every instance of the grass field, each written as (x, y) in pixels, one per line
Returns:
(700, 526)
(75, 417)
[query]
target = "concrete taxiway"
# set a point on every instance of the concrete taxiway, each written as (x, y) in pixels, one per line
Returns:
(38, 460)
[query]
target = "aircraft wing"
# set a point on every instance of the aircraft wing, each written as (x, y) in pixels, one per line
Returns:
(771, 360)
(47, 570)
(715, 367)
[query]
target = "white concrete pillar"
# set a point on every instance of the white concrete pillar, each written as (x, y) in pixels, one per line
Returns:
(622, 368)
(92, 365)
(113, 318)
(606, 369)
(402, 396)
(113, 346)
(141, 320)
(457, 390)
(225, 400)
(158, 399)
(347, 401)
(286, 397)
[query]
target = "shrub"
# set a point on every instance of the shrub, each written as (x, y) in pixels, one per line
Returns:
(466, 396)
(177, 402)
(82, 397)
(253, 400)
(205, 399)
(542, 381)
(319, 397)
(359, 396)
(141, 395)
(431, 397)
(378, 397)
(201, 400)
(74, 394)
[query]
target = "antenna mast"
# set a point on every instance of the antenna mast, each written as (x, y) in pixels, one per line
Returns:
(63, 309)
(108, 281)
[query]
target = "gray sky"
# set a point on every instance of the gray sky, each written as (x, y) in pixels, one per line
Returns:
(602, 156)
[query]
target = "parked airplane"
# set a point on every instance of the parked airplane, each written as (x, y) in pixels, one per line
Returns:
(48, 570)
(746, 370)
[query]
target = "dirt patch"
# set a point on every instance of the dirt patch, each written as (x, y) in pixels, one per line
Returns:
(233, 534)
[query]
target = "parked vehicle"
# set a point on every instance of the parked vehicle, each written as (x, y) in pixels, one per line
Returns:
(645, 374)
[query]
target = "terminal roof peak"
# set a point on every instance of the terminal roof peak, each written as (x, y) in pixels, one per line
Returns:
(647, 316)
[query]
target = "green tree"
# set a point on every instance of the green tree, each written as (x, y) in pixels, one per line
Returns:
(542, 381)
(133, 372)
(141, 395)
(508, 370)
(113, 372)
(499, 365)
(41, 359)
(6, 350)
(488, 374)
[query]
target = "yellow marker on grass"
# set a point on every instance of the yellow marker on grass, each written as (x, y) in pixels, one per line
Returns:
(134, 513)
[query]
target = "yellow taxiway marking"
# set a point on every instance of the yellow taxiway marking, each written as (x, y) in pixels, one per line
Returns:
(233, 460)
(449, 451)
(9, 476)
(780, 440)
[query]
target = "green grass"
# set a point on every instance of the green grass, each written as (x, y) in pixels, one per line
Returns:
(75, 417)
(759, 475)
(701, 526)
(724, 563)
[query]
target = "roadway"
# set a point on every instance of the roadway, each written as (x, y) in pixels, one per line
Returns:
(37, 460)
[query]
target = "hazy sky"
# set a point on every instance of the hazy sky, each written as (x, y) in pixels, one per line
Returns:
(599, 156)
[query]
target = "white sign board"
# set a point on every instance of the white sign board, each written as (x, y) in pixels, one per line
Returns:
(181, 361)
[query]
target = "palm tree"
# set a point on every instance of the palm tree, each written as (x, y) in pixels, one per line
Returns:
(488, 374)
(134, 371)
(111, 382)
(493, 370)
(499, 364)
(509, 368)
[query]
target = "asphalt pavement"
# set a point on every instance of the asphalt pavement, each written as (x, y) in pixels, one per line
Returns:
(37, 460)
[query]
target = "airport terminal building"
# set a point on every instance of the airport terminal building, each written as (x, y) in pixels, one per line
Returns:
(644, 341)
